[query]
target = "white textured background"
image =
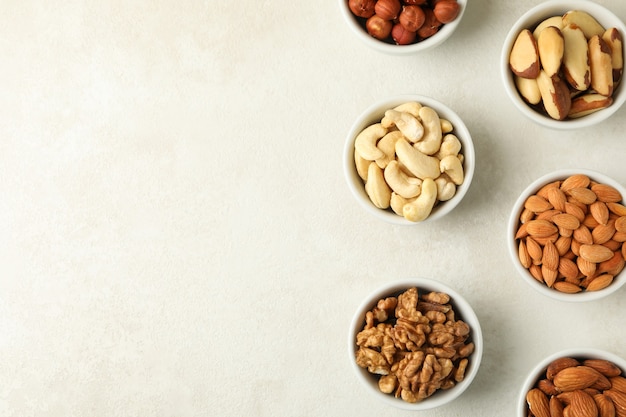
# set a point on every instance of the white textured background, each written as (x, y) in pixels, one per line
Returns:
(177, 238)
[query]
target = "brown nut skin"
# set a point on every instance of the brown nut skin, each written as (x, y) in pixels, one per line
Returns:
(401, 35)
(446, 10)
(601, 66)
(555, 96)
(613, 38)
(388, 9)
(524, 56)
(378, 27)
(431, 25)
(412, 18)
(362, 8)
(587, 104)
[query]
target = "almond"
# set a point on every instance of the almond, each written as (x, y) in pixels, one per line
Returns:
(600, 282)
(619, 401)
(575, 378)
(606, 368)
(603, 233)
(557, 198)
(521, 232)
(599, 211)
(618, 383)
(559, 364)
(538, 204)
(547, 387)
(524, 55)
(620, 224)
(606, 193)
(567, 288)
(566, 220)
(541, 228)
(583, 195)
(605, 406)
(556, 407)
(543, 191)
(523, 255)
(550, 257)
(619, 237)
(534, 250)
(586, 267)
(568, 268)
(575, 211)
(538, 403)
(583, 405)
(549, 275)
(583, 235)
(563, 244)
(575, 181)
(616, 208)
(613, 266)
(535, 272)
(595, 253)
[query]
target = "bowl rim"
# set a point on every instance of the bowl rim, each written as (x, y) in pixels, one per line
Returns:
(619, 280)
(547, 9)
(464, 310)
(373, 113)
(442, 35)
(580, 352)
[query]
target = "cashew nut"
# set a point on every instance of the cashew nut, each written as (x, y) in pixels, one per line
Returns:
(388, 145)
(431, 139)
(400, 183)
(406, 123)
(450, 145)
(376, 187)
(451, 165)
(365, 142)
(420, 165)
(421, 207)
(446, 126)
(362, 165)
(446, 189)
(411, 107)
(397, 203)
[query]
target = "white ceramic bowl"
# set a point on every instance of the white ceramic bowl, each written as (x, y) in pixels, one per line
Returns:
(529, 20)
(538, 372)
(357, 25)
(374, 114)
(513, 225)
(463, 311)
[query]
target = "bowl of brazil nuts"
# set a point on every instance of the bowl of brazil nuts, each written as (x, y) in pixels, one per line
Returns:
(402, 27)
(415, 344)
(575, 382)
(408, 159)
(566, 235)
(562, 63)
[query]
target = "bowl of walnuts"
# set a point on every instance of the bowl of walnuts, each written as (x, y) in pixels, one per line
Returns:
(562, 63)
(566, 235)
(415, 344)
(402, 27)
(575, 382)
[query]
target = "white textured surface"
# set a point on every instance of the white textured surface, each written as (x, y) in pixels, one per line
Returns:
(176, 236)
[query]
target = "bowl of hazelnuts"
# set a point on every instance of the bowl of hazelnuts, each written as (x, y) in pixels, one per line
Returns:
(403, 27)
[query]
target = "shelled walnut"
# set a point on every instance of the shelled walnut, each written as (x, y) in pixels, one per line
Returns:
(415, 343)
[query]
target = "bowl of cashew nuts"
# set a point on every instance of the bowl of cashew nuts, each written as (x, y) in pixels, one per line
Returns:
(415, 344)
(409, 159)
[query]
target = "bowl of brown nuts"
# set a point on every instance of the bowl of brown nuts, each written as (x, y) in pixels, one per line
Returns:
(562, 63)
(409, 159)
(415, 344)
(566, 235)
(402, 27)
(575, 382)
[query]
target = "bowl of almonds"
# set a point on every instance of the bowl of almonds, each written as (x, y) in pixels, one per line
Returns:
(402, 27)
(415, 344)
(408, 159)
(566, 235)
(575, 382)
(562, 63)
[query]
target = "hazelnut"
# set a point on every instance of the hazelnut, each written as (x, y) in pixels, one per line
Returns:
(378, 27)
(388, 9)
(431, 25)
(412, 18)
(401, 35)
(446, 10)
(362, 8)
